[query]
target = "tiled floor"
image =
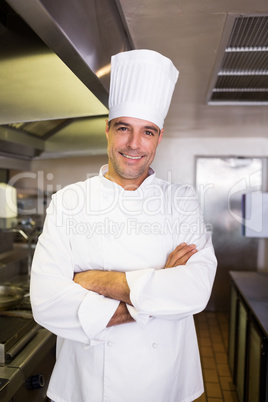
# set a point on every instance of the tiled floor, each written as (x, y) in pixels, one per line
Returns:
(212, 332)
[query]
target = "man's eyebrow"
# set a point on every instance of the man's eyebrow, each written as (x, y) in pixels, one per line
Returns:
(121, 123)
(152, 128)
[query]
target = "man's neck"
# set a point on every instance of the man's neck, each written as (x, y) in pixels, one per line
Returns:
(126, 184)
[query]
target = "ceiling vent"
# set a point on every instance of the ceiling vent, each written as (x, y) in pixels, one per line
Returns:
(241, 73)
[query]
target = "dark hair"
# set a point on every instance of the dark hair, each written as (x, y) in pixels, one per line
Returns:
(109, 126)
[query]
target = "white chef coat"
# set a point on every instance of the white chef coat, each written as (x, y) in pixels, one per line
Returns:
(96, 224)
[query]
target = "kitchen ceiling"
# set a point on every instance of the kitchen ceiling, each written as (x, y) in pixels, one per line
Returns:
(37, 87)
(191, 33)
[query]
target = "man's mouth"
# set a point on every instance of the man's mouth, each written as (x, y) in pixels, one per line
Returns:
(130, 156)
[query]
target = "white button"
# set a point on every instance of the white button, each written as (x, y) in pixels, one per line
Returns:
(154, 345)
(109, 343)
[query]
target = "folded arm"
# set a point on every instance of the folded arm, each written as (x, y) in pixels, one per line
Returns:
(113, 284)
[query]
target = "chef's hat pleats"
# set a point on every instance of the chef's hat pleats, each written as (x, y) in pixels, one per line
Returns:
(141, 86)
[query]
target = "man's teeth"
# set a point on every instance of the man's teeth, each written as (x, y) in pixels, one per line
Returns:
(131, 157)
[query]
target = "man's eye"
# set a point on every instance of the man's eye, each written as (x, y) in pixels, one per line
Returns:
(150, 133)
(122, 128)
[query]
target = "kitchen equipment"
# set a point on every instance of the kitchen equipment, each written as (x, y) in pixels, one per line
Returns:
(27, 354)
(8, 201)
(27, 351)
(6, 241)
(15, 332)
(10, 296)
(221, 181)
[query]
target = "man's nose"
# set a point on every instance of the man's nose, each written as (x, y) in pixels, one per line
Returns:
(134, 140)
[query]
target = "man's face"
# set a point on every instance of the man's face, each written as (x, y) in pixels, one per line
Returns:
(131, 149)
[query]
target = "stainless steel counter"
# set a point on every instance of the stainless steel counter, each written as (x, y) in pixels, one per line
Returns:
(26, 377)
(253, 287)
(27, 351)
(248, 335)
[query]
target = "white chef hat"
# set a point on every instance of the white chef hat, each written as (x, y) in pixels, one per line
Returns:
(141, 86)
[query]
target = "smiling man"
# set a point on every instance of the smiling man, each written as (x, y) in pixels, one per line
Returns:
(131, 149)
(122, 306)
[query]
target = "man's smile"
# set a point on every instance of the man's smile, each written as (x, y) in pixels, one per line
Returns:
(130, 156)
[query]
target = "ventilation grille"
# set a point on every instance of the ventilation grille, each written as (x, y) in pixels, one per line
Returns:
(242, 75)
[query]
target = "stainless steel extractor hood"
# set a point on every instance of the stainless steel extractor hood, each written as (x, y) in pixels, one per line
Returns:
(54, 69)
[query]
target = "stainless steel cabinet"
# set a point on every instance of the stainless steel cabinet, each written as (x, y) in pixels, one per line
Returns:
(248, 339)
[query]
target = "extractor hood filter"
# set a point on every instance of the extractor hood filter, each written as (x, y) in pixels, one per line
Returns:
(241, 74)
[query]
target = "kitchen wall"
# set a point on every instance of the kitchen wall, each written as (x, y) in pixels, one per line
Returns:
(49, 175)
(176, 157)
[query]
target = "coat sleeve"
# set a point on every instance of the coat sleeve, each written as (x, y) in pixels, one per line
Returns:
(175, 293)
(58, 303)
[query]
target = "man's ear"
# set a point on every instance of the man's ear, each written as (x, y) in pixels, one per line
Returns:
(107, 128)
(160, 136)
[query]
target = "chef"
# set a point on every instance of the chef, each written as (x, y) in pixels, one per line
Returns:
(124, 260)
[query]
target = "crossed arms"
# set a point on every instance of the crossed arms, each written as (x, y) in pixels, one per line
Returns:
(113, 284)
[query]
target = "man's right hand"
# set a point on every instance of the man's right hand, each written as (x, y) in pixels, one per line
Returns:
(180, 255)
